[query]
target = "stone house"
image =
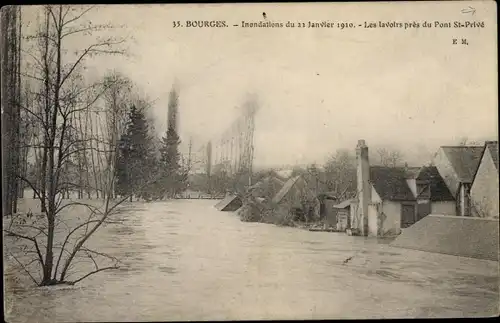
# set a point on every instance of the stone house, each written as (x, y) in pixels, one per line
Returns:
(391, 198)
(457, 166)
(432, 194)
(484, 190)
(384, 202)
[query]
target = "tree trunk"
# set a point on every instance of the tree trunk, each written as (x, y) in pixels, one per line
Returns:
(46, 108)
(11, 107)
(7, 112)
(17, 137)
(94, 172)
(83, 131)
(53, 169)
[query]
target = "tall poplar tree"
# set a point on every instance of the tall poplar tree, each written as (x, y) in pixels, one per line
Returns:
(135, 160)
(172, 175)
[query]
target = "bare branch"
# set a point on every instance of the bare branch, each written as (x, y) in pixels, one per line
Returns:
(76, 31)
(66, 241)
(91, 273)
(32, 76)
(41, 230)
(35, 242)
(90, 207)
(85, 52)
(99, 254)
(78, 17)
(24, 268)
(105, 214)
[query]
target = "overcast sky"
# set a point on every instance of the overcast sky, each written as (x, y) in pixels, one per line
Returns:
(320, 89)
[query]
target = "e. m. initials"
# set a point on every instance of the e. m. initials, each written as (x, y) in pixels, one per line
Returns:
(463, 41)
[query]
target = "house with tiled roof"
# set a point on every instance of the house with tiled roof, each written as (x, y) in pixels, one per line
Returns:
(395, 201)
(457, 166)
(432, 194)
(385, 202)
(484, 191)
(393, 198)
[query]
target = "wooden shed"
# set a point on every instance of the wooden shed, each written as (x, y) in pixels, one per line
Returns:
(343, 210)
(327, 211)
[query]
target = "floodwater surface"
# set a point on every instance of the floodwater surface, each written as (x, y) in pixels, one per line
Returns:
(184, 260)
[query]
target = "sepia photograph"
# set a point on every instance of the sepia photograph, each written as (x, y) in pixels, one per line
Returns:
(250, 161)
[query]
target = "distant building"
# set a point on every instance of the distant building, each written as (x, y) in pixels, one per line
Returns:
(385, 202)
(484, 190)
(392, 198)
(343, 220)
(292, 196)
(432, 194)
(457, 166)
(393, 205)
(327, 210)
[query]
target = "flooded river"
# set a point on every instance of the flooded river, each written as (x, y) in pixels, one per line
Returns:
(184, 260)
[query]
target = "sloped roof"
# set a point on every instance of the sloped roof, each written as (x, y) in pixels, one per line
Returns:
(465, 160)
(294, 185)
(327, 195)
(285, 189)
(390, 183)
(439, 189)
(493, 148)
(344, 204)
(412, 172)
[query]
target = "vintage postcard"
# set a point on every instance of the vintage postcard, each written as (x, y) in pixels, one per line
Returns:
(258, 161)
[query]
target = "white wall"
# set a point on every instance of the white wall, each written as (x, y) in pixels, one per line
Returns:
(443, 208)
(446, 171)
(373, 219)
(384, 216)
(412, 184)
(392, 221)
(485, 192)
(354, 215)
(375, 197)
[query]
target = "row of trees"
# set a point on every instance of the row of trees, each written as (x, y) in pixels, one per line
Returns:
(68, 134)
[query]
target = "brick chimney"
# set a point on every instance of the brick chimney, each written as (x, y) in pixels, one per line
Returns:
(363, 186)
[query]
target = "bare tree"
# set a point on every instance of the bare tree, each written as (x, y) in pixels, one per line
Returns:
(337, 176)
(340, 172)
(465, 141)
(116, 99)
(390, 158)
(61, 99)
